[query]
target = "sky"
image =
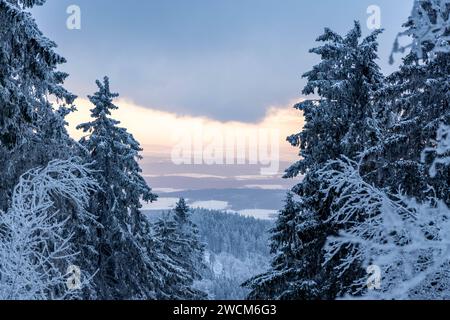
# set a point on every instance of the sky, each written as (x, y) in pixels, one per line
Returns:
(222, 65)
(221, 59)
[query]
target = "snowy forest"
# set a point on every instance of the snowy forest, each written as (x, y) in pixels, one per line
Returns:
(372, 193)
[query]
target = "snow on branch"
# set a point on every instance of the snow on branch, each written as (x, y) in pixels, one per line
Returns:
(428, 25)
(408, 240)
(442, 150)
(32, 241)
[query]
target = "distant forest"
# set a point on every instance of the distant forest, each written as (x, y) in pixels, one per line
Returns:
(237, 248)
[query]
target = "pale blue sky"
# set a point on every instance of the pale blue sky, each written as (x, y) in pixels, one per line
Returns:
(227, 59)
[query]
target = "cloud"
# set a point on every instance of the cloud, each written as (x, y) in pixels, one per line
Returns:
(155, 129)
(224, 59)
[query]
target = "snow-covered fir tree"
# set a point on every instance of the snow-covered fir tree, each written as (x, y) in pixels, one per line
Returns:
(192, 248)
(32, 131)
(341, 122)
(277, 284)
(393, 212)
(129, 267)
(179, 241)
(28, 63)
(414, 102)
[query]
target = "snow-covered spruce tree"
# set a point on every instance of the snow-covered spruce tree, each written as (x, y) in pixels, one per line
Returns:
(31, 132)
(277, 284)
(341, 122)
(401, 235)
(414, 102)
(179, 242)
(129, 267)
(35, 250)
(192, 248)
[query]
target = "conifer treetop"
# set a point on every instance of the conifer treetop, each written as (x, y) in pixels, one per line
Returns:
(182, 211)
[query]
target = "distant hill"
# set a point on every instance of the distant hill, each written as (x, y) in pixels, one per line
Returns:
(238, 199)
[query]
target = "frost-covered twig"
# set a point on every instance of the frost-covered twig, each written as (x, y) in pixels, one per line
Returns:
(441, 151)
(32, 241)
(408, 240)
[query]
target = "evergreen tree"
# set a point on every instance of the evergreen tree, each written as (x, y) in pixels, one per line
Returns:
(277, 284)
(128, 266)
(414, 102)
(375, 224)
(32, 131)
(183, 251)
(341, 122)
(192, 248)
